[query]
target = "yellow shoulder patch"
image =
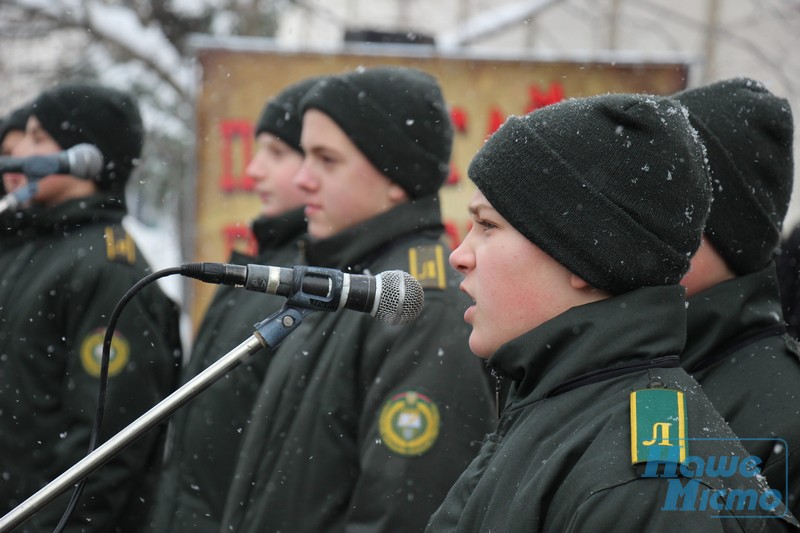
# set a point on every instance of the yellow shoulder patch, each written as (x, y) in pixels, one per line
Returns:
(427, 265)
(658, 426)
(92, 353)
(409, 423)
(119, 245)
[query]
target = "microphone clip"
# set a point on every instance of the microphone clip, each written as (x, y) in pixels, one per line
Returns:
(319, 289)
(273, 329)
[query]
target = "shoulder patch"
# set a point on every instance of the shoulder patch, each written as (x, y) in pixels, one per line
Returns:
(658, 426)
(92, 353)
(409, 423)
(427, 265)
(120, 247)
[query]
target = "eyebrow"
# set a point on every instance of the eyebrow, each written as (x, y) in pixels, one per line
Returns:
(475, 210)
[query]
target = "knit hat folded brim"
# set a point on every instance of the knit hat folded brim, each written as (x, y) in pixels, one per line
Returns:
(281, 116)
(612, 187)
(397, 118)
(76, 113)
(16, 120)
(748, 134)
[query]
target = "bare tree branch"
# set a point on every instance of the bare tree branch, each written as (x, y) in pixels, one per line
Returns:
(82, 20)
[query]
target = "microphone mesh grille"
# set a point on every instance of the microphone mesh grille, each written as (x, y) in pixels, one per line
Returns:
(86, 161)
(401, 298)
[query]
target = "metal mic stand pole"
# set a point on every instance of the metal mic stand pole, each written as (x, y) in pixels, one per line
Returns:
(269, 333)
(15, 199)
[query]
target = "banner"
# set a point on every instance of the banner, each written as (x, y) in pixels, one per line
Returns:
(481, 92)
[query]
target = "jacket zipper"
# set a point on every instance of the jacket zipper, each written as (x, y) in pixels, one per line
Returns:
(595, 376)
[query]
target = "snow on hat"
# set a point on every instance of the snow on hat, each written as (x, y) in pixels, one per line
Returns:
(75, 113)
(748, 134)
(281, 115)
(396, 117)
(16, 120)
(613, 187)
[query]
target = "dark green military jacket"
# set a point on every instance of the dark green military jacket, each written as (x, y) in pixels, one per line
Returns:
(360, 425)
(63, 271)
(207, 431)
(561, 456)
(738, 350)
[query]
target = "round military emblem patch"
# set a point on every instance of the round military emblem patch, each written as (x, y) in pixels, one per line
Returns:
(92, 353)
(409, 423)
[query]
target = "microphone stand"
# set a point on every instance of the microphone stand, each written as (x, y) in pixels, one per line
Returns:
(268, 334)
(15, 199)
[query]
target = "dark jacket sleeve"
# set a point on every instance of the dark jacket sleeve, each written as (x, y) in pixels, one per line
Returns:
(143, 368)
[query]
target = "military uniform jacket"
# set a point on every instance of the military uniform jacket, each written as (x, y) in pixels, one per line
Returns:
(561, 457)
(749, 368)
(63, 272)
(359, 425)
(208, 431)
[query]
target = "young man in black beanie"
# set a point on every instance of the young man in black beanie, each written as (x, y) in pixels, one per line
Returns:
(585, 216)
(360, 425)
(12, 128)
(207, 432)
(787, 265)
(737, 347)
(66, 262)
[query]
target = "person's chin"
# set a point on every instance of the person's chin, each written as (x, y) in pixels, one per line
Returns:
(318, 229)
(477, 348)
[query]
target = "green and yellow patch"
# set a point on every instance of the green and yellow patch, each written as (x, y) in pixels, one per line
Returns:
(409, 423)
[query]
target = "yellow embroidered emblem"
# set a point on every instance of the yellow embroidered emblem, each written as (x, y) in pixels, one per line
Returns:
(92, 353)
(427, 265)
(119, 245)
(409, 423)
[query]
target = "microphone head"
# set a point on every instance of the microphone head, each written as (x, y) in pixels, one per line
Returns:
(400, 297)
(85, 161)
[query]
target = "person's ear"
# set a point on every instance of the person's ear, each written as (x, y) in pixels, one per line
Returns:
(590, 292)
(578, 283)
(397, 194)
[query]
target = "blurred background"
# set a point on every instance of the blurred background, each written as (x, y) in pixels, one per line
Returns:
(150, 48)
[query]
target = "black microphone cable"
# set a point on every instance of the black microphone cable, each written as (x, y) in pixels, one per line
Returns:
(103, 387)
(394, 306)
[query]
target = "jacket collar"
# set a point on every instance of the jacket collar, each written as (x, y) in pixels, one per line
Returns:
(274, 232)
(630, 329)
(65, 217)
(354, 247)
(731, 313)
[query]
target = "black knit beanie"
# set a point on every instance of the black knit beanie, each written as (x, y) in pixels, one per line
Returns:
(16, 120)
(397, 117)
(281, 115)
(613, 187)
(78, 113)
(748, 133)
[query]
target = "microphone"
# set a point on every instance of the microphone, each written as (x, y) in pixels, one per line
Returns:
(393, 297)
(82, 161)
(20, 196)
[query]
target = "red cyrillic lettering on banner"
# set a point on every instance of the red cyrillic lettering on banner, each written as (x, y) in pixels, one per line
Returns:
(454, 177)
(451, 231)
(240, 238)
(539, 98)
(459, 117)
(496, 119)
(232, 131)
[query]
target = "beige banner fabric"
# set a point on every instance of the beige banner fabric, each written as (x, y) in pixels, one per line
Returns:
(481, 93)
